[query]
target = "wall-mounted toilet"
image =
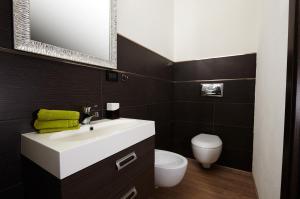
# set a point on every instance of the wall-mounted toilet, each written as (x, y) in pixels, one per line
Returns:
(206, 149)
(170, 168)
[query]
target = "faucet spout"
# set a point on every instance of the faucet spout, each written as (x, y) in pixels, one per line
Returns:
(89, 116)
(87, 120)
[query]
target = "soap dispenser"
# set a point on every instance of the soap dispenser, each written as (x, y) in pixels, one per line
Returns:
(113, 110)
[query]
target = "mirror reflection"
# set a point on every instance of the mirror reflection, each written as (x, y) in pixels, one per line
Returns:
(79, 25)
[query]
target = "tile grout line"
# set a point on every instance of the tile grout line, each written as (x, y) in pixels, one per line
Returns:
(213, 119)
(215, 80)
(215, 124)
(11, 187)
(211, 102)
(101, 95)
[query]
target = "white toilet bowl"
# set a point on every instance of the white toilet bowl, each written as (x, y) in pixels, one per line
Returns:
(170, 168)
(206, 149)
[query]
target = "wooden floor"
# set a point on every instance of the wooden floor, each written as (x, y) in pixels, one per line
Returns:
(216, 183)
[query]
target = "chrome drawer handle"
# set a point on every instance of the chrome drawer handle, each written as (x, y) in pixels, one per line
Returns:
(125, 161)
(131, 194)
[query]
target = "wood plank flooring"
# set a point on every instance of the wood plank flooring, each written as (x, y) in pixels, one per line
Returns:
(216, 183)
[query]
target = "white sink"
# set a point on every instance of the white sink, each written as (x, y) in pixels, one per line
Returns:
(65, 153)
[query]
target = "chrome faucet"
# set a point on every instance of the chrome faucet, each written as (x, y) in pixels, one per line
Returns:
(90, 116)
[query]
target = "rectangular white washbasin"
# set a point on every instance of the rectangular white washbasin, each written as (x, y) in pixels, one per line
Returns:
(65, 153)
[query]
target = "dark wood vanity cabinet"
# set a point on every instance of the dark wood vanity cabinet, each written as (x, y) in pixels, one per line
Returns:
(125, 175)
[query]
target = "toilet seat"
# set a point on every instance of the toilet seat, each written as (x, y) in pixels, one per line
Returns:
(207, 141)
(169, 160)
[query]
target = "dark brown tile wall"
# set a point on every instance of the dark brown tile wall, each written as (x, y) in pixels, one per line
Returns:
(6, 25)
(230, 117)
(217, 68)
(142, 61)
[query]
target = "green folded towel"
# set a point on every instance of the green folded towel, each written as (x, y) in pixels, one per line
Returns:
(41, 124)
(42, 131)
(45, 114)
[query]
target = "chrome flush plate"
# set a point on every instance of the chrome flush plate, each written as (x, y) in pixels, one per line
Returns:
(212, 89)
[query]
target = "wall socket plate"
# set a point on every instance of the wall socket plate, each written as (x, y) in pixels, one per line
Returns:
(112, 76)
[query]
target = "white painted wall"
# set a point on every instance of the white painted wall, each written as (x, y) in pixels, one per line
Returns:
(214, 28)
(149, 23)
(183, 30)
(270, 98)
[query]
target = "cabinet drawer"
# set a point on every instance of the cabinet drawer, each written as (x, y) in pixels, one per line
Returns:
(93, 181)
(143, 184)
(139, 188)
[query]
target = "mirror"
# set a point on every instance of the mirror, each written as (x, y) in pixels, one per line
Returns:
(77, 30)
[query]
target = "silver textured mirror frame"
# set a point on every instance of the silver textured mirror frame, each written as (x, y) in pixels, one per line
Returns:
(23, 42)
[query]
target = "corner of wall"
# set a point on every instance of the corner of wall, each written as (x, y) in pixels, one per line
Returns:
(270, 98)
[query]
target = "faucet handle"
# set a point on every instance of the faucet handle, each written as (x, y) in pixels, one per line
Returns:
(87, 109)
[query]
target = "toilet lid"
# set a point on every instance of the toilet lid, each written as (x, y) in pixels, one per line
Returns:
(207, 141)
